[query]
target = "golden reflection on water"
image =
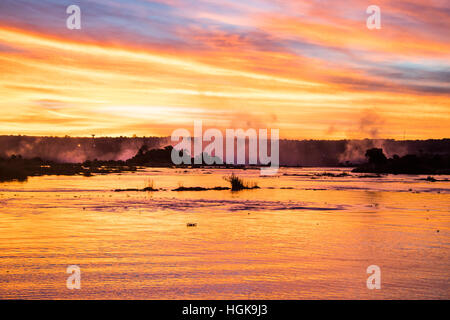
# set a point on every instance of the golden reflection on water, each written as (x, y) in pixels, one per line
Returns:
(295, 238)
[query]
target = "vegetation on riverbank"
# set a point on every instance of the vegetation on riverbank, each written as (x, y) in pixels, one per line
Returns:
(239, 184)
(377, 162)
(15, 168)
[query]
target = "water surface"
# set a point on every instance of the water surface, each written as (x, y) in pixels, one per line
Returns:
(301, 236)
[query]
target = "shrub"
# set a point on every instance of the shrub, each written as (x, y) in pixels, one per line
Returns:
(239, 184)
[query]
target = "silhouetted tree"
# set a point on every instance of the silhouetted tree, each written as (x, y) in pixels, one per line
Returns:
(376, 156)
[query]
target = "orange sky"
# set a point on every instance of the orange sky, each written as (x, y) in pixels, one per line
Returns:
(309, 68)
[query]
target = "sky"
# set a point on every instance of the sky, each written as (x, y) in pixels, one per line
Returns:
(310, 68)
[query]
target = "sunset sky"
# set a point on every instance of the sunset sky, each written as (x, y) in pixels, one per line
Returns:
(310, 68)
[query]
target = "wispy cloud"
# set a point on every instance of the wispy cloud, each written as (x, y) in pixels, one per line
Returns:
(147, 67)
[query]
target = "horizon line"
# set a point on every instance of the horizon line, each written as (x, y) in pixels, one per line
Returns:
(168, 137)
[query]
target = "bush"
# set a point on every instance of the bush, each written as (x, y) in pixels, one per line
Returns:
(239, 184)
(8, 173)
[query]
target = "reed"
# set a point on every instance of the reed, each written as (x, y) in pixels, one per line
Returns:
(238, 184)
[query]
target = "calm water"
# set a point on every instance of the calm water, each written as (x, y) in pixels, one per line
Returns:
(298, 237)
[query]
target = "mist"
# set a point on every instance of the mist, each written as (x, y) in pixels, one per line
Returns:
(308, 153)
(75, 150)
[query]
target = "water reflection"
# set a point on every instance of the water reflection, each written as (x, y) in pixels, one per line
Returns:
(296, 237)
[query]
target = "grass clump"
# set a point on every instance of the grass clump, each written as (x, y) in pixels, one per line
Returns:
(150, 184)
(238, 184)
(149, 187)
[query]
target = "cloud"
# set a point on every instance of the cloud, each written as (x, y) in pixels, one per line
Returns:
(311, 65)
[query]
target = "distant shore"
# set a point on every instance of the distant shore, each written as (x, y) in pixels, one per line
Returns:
(293, 153)
(17, 168)
(435, 164)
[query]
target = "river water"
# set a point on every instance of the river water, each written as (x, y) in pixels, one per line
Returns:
(300, 236)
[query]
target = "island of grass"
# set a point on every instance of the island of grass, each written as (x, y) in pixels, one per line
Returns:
(146, 189)
(201, 189)
(237, 184)
(149, 188)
